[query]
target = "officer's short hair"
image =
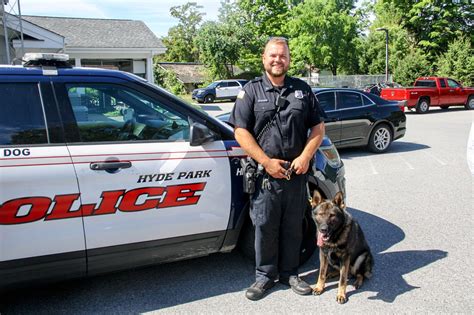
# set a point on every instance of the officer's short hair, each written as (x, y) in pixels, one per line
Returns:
(276, 40)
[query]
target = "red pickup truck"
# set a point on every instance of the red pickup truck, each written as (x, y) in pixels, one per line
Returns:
(431, 91)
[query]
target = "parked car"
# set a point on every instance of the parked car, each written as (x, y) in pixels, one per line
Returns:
(219, 90)
(356, 118)
(377, 87)
(432, 91)
(102, 171)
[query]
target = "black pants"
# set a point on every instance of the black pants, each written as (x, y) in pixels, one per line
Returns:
(277, 214)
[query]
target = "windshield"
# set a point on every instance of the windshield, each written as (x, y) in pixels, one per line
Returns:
(213, 85)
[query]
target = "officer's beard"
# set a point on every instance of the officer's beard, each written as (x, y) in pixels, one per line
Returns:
(276, 72)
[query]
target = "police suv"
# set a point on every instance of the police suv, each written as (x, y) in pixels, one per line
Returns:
(102, 171)
(219, 90)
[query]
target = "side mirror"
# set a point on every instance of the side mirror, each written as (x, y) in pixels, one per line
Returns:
(200, 134)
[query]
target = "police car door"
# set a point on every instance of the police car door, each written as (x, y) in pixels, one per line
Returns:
(38, 185)
(143, 186)
(222, 90)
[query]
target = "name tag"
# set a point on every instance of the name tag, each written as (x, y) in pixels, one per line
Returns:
(262, 101)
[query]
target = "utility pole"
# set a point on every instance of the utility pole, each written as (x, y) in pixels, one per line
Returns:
(386, 51)
(5, 31)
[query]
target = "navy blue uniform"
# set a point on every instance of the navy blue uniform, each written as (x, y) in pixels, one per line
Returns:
(277, 206)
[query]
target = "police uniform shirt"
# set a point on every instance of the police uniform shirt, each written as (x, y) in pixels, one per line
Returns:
(256, 106)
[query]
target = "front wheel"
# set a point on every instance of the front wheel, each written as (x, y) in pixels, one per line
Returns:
(470, 103)
(209, 98)
(380, 139)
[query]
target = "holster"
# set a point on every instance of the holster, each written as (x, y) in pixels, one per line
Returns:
(250, 173)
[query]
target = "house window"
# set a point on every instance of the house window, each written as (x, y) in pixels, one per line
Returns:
(113, 64)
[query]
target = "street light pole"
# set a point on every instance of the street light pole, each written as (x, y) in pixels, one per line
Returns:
(386, 51)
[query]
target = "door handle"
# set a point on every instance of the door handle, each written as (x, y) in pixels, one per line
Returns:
(97, 166)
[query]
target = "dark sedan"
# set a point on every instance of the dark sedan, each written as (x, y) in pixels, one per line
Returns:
(356, 118)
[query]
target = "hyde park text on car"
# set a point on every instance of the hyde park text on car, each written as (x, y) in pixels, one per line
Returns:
(102, 171)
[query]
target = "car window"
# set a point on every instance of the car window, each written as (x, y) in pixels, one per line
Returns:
(426, 83)
(366, 100)
(22, 119)
(327, 101)
(442, 83)
(348, 100)
(233, 83)
(107, 112)
(222, 84)
(212, 85)
(453, 83)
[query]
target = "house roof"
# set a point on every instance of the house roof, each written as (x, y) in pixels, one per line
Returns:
(99, 33)
(187, 72)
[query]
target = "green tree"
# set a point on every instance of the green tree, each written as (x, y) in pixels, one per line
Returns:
(265, 17)
(415, 64)
(435, 23)
(219, 45)
(323, 34)
(168, 80)
(180, 40)
(458, 61)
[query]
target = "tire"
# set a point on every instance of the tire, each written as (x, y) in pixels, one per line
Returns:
(444, 107)
(423, 105)
(209, 98)
(470, 103)
(246, 243)
(380, 139)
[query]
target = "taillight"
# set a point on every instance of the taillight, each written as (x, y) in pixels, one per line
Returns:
(402, 105)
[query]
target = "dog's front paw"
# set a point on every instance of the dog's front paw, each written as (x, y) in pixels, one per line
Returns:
(318, 290)
(341, 299)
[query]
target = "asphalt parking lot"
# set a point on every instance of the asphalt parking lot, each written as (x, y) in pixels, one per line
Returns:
(414, 203)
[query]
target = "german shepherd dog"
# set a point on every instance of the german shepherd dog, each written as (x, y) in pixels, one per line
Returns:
(341, 243)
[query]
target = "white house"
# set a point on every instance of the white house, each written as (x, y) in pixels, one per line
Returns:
(126, 45)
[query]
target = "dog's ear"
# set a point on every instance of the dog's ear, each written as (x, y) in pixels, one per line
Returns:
(317, 199)
(339, 200)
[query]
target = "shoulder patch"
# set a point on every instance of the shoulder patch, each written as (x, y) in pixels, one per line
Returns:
(241, 94)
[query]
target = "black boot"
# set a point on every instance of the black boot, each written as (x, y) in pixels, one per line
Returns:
(258, 289)
(297, 285)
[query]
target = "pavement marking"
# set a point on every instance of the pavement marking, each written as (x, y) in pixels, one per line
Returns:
(372, 167)
(435, 158)
(406, 162)
(470, 150)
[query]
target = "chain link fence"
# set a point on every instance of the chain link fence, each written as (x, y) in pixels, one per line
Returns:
(345, 81)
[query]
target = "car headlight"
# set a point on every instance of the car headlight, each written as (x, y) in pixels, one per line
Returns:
(331, 155)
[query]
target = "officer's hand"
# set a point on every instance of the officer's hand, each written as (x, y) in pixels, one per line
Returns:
(300, 165)
(274, 167)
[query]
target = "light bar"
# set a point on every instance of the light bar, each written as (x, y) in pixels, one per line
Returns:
(45, 56)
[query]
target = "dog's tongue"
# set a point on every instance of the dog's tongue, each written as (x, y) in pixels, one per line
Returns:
(320, 241)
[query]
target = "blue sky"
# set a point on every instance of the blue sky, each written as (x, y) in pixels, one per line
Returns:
(155, 13)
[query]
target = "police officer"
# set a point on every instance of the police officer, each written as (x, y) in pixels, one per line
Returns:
(272, 116)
